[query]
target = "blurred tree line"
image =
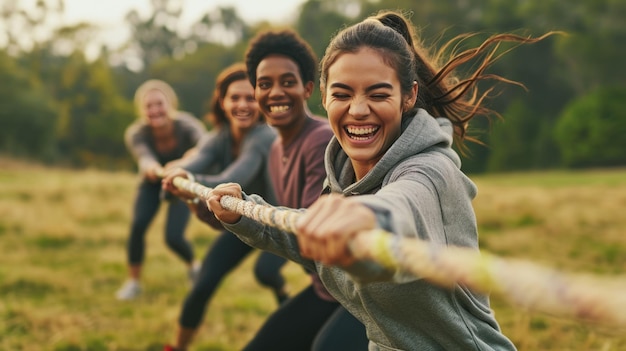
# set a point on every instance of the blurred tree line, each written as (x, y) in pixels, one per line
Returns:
(60, 107)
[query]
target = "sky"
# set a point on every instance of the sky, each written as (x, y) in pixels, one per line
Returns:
(109, 14)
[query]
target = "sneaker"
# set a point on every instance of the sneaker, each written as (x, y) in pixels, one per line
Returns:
(130, 290)
(169, 348)
(194, 273)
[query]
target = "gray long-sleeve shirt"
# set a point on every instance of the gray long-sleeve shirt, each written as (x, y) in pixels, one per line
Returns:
(214, 163)
(139, 141)
(416, 189)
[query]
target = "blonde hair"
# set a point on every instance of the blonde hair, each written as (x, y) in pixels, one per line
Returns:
(158, 85)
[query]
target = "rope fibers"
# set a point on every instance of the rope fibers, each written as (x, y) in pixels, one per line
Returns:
(591, 299)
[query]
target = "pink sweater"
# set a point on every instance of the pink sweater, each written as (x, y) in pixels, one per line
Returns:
(297, 172)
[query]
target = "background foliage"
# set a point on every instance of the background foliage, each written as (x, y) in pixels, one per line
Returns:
(58, 106)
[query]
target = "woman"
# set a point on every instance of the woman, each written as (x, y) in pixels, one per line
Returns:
(282, 66)
(394, 115)
(159, 138)
(236, 151)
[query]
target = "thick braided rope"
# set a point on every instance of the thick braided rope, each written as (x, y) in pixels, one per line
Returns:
(594, 300)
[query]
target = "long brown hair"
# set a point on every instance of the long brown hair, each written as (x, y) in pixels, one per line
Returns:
(440, 91)
(233, 73)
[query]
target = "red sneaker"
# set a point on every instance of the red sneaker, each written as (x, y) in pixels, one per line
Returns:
(169, 348)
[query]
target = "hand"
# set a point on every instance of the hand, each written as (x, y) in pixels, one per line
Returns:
(168, 183)
(226, 189)
(202, 212)
(328, 226)
(153, 174)
(172, 165)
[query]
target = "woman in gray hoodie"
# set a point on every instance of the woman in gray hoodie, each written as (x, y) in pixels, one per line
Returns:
(394, 115)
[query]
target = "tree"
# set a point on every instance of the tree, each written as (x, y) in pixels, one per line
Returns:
(27, 114)
(193, 77)
(16, 21)
(93, 114)
(591, 130)
(155, 37)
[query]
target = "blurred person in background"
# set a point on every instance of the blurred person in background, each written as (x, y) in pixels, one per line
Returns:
(395, 113)
(236, 150)
(282, 67)
(158, 140)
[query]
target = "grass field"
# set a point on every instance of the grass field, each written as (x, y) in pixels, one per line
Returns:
(62, 249)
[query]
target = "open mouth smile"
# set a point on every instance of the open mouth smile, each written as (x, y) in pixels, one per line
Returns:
(361, 133)
(279, 108)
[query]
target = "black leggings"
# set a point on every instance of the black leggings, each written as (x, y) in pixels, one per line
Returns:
(307, 322)
(225, 254)
(146, 206)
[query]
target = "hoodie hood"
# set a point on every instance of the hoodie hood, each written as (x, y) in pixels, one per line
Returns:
(420, 133)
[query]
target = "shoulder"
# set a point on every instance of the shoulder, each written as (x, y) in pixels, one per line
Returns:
(210, 138)
(433, 163)
(263, 129)
(435, 166)
(136, 128)
(188, 120)
(318, 132)
(184, 116)
(261, 134)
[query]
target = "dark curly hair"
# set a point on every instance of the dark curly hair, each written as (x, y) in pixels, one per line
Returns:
(281, 42)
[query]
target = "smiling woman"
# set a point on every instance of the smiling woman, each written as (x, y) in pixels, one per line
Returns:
(236, 150)
(363, 86)
(159, 138)
(395, 115)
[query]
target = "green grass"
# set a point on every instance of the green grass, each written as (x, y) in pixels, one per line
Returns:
(63, 236)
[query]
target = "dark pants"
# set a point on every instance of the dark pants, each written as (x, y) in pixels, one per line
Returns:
(225, 254)
(306, 322)
(145, 209)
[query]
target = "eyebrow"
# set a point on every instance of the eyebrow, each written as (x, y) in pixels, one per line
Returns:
(370, 88)
(282, 76)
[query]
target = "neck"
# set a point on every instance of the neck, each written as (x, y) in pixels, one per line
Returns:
(239, 134)
(360, 170)
(289, 133)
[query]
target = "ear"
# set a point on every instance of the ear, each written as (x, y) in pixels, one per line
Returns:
(410, 101)
(308, 90)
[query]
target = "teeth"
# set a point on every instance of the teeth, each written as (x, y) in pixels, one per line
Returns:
(279, 108)
(361, 130)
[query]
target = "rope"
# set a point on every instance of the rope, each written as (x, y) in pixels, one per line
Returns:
(594, 300)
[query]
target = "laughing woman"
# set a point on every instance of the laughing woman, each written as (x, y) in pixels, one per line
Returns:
(395, 114)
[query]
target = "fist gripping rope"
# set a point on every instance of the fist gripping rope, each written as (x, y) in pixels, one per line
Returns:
(594, 300)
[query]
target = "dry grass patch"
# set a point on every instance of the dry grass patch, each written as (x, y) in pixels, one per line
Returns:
(63, 236)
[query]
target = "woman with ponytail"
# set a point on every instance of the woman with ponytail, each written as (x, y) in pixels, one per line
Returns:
(395, 112)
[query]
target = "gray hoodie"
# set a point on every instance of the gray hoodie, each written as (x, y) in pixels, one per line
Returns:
(416, 189)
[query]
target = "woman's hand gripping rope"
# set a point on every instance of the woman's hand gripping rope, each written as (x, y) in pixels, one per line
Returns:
(595, 300)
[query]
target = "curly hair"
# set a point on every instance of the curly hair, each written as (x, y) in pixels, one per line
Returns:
(284, 42)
